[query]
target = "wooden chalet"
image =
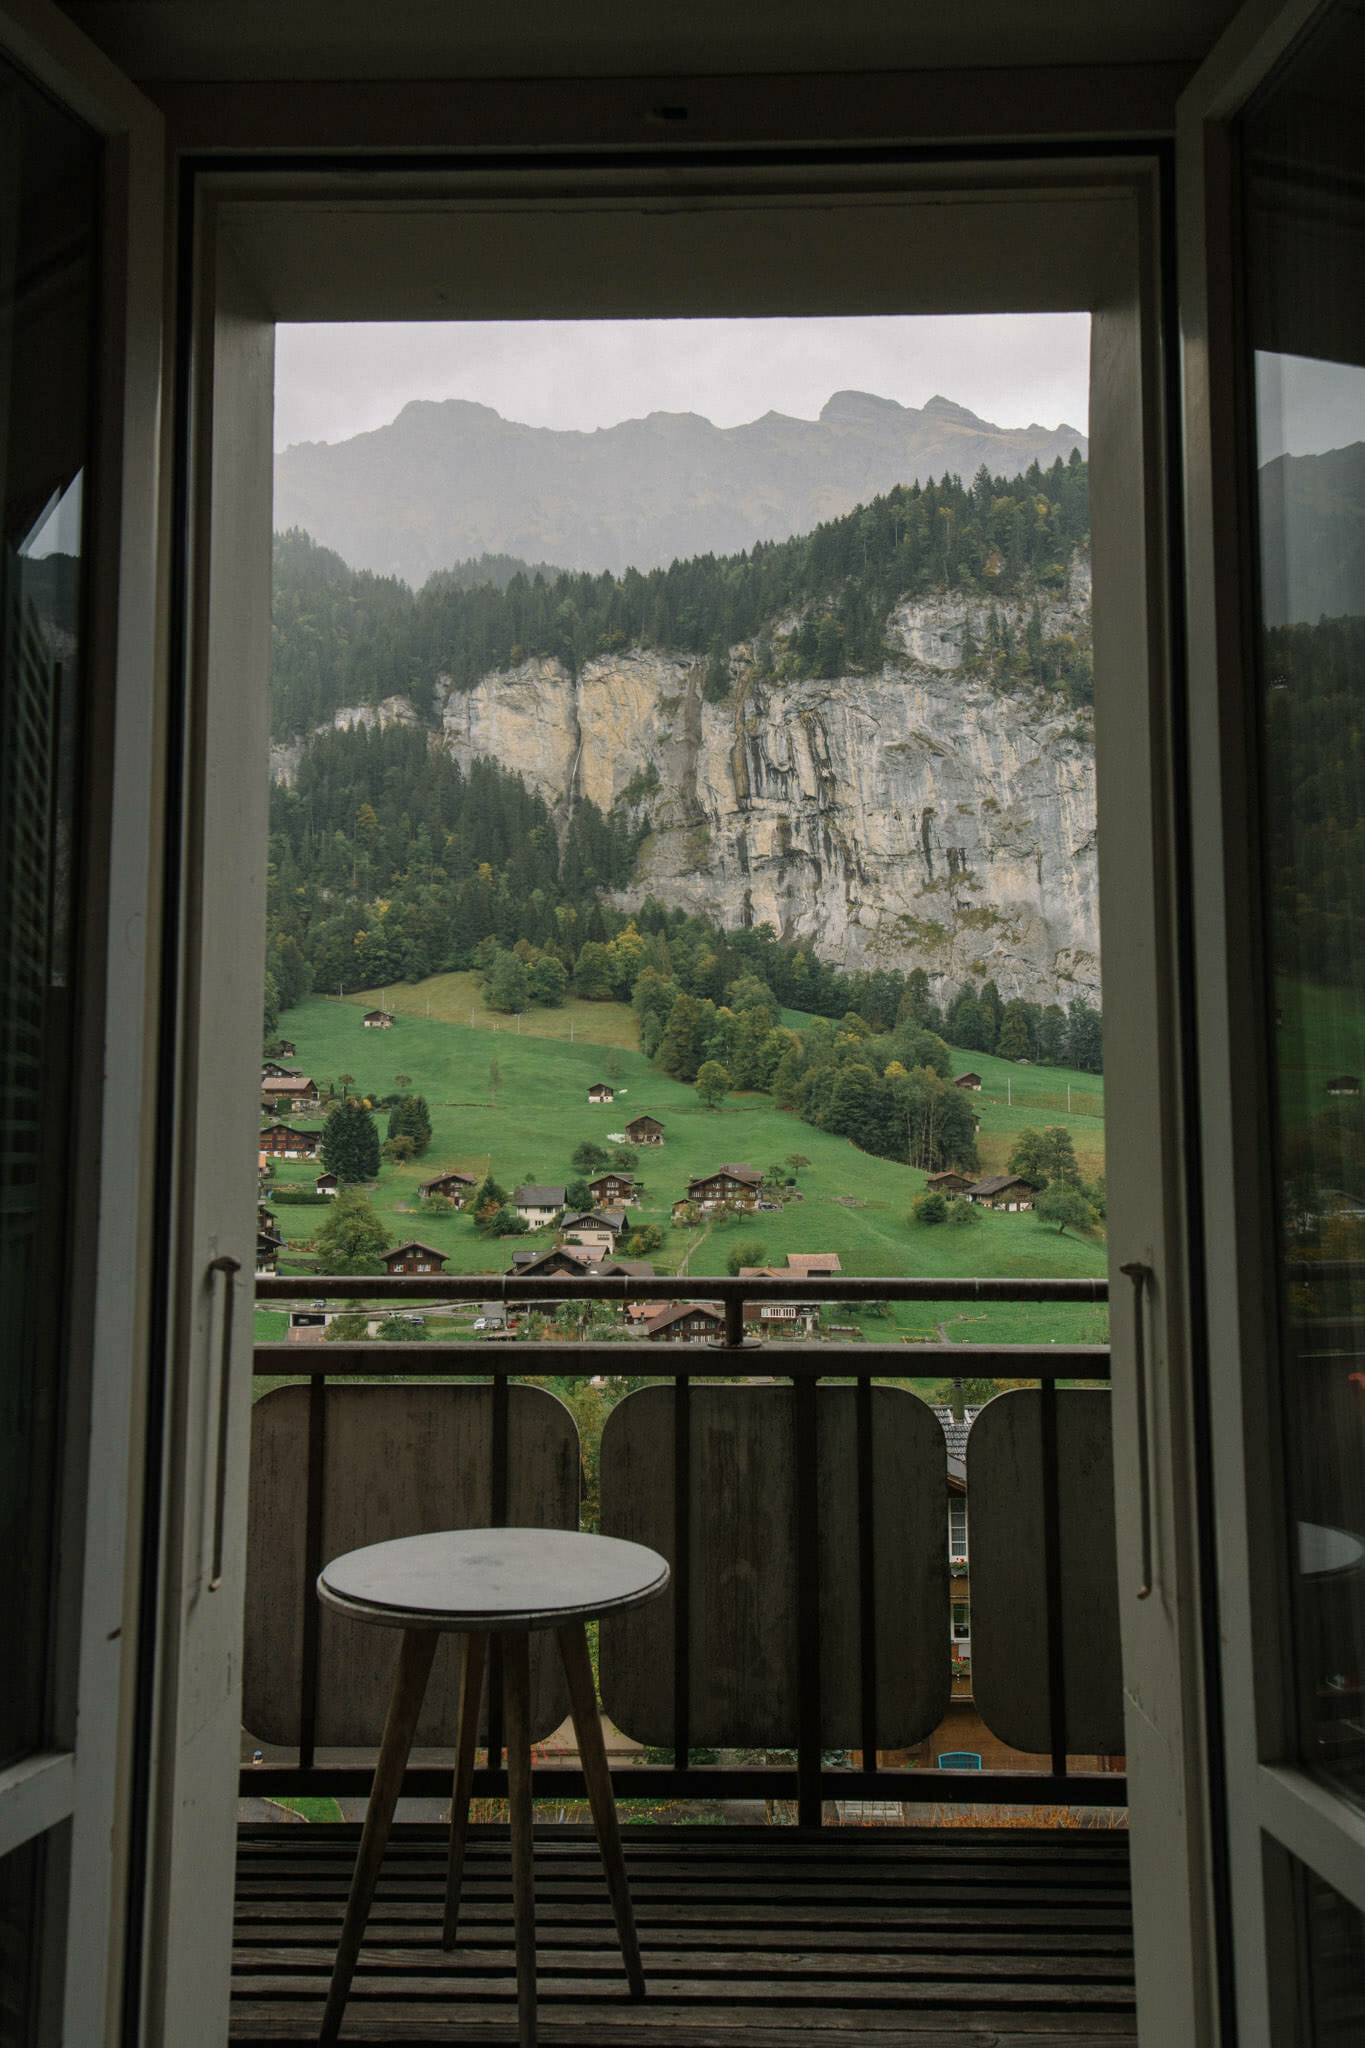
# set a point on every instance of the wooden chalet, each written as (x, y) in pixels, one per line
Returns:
(600, 1091)
(268, 1247)
(738, 1184)
(685, 1322)
(538, 1204)
(592, 1227)
(274, 1070)
(282, 1141)
(1003, 1191)
(290, 1091)
(614, 1188)
(947, 1184)
(287, 1048)
(644, 1130)
(414, 1257)
(377, 1020)
(327, 1184)
(1344, 1084)
(784, 1318)
(972, 1081)
(809, 1263)
(450, 1185)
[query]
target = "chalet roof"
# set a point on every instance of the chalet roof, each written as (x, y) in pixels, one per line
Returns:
(601, 1088)
(413, 1245)
(326, 1175)
(630, 1269)
(286, 1084)
(749, 1175)
(956, 1432)
(805, 1263)
(935, 1180)
(644, 1116)
(1344, 1084)
(611, 1173)
(448, 1173)
(577, 1255)
(673, 1312)
(581, 1219)
(387, 1015)
(996, 1183)
(538, 1197)
(966, 1080)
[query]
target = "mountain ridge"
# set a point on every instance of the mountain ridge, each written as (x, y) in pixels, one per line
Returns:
(451, 478)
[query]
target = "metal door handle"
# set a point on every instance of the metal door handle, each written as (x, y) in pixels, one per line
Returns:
(1140, 1275)
(229, 1268)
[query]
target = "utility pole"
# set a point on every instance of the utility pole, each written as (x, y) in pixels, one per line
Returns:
(1068, 1098)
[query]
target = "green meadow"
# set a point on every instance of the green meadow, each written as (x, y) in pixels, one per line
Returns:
(1321, 1035)
(517, 1102)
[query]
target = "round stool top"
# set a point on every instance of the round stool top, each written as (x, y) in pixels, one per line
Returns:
(490, 1579)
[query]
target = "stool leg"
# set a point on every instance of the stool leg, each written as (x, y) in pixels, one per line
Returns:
(573, 1648)
(471, 1691)
(517, 1677)
(405, 1704)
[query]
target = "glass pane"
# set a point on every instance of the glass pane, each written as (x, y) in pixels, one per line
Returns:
(48, 217)
(1335, 1966)
(21, 1890)
(1304, 160)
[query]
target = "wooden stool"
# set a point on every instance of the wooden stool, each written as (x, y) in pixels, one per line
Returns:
(479, 1582)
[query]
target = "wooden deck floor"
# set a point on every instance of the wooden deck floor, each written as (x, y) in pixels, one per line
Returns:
(750, 1935)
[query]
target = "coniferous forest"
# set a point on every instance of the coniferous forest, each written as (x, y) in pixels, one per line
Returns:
(343, 637)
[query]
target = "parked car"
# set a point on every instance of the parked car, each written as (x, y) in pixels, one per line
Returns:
(482, 1323)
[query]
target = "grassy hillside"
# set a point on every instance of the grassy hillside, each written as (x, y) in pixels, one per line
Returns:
(528, 1126)
(1322, 1035)
(458, 999)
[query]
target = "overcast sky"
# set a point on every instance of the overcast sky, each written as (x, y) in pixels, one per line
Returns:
(1013, 369)
(1304, 407)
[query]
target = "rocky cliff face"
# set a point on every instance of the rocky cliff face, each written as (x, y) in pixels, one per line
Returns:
(912, 818)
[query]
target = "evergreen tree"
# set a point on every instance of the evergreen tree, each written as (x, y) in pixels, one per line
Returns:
(1013, 1042)
(410, 1118)
(350, 1143)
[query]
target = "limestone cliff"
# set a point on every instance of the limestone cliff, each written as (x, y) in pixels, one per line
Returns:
(916, 817)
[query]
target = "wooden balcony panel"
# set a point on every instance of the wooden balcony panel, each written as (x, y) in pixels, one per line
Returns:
(942, 1938)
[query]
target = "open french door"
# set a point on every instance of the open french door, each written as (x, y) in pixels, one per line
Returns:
(80, 353)
(1273, 235)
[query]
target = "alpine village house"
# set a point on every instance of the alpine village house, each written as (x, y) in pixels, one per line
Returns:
(176, 182)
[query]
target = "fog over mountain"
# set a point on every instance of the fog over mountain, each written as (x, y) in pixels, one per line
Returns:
(1313, 536)
(451, 479)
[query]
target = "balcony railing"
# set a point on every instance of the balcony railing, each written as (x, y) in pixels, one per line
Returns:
(811, 1780)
